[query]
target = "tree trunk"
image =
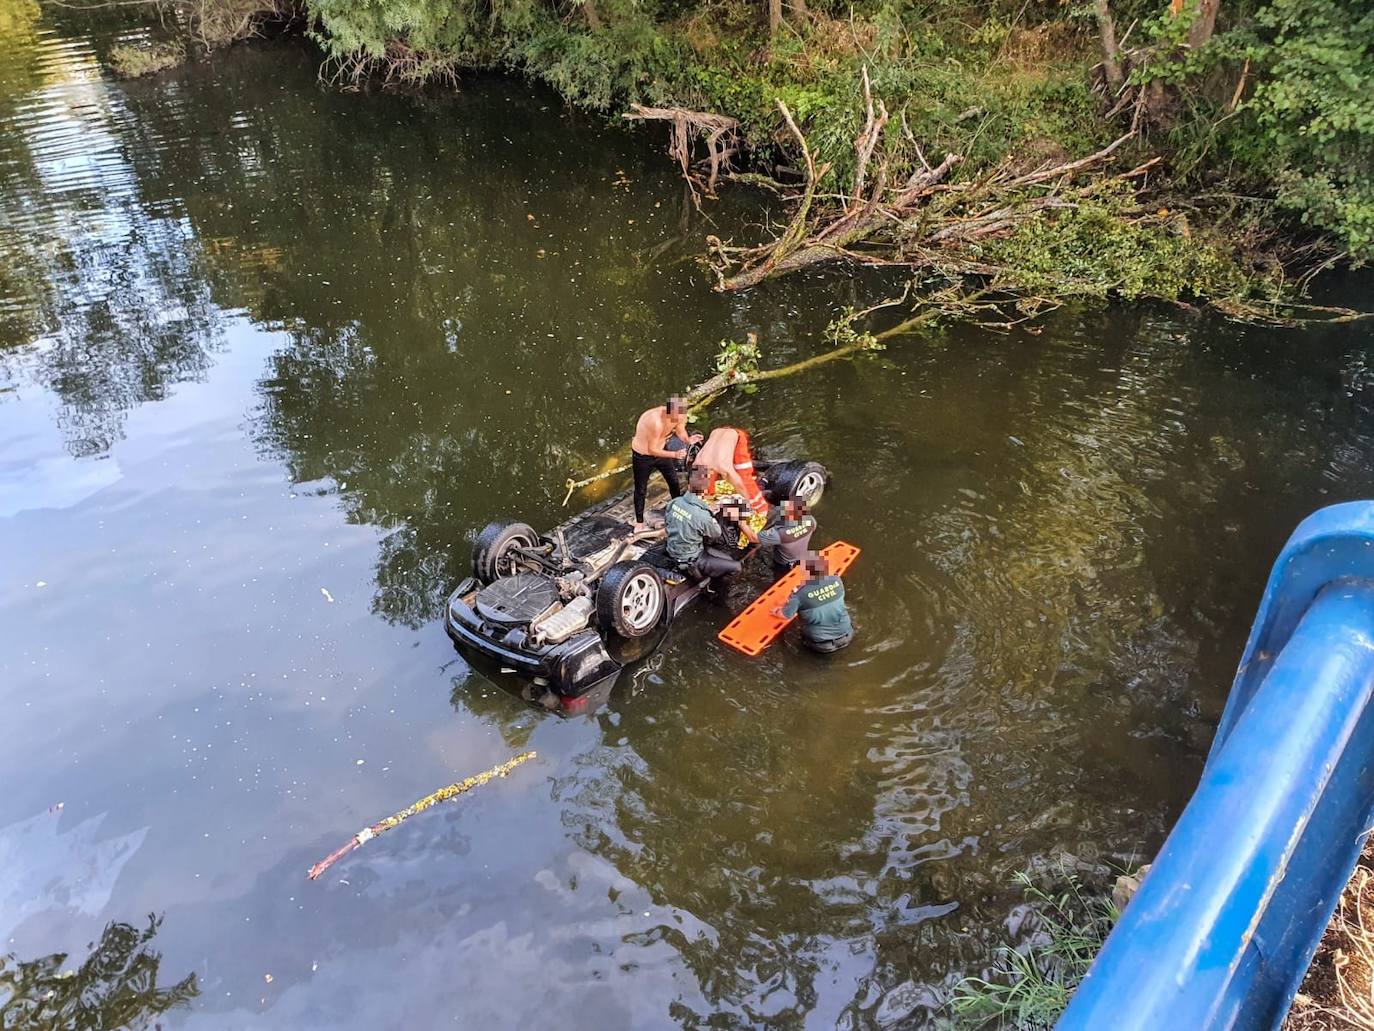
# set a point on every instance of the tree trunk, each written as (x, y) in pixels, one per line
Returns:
(774, 17)
(1204, 24)
(1111, 58)
(593, 19)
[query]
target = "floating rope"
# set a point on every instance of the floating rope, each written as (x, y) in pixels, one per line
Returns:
(573, 485)
(442, 795)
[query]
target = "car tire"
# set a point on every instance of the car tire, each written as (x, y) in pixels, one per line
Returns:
(630, 599)
(491, 557)
(800, 481)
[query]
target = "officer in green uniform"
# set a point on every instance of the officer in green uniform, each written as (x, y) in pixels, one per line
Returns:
(791, 538)
(819, 602)
(690, 524)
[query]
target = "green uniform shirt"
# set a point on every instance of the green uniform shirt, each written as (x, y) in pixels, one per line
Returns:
(790, 539)
(690, 525)
(820, 604)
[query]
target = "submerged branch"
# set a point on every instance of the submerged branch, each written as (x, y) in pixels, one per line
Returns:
(442, 795)
(1016, 229)
(1270, 313)
(720, 133)
(952, 301)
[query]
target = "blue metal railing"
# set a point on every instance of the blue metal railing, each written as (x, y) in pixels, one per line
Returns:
(1225, 923)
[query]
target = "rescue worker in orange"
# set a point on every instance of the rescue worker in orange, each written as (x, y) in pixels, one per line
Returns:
(726, 453)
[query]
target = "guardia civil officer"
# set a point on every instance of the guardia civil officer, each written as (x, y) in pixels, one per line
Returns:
(790, 538)
(692, 527)
(819, 604)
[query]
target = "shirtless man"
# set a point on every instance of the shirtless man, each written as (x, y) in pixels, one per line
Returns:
(657, 429)
(726, 453)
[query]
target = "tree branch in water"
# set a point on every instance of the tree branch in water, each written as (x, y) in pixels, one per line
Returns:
(721, 134)
(849, 342)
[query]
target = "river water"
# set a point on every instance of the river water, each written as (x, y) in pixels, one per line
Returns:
(273, 351)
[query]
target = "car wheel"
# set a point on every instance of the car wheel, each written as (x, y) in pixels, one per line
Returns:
(630, 599)
(800, 481)
(492, 555)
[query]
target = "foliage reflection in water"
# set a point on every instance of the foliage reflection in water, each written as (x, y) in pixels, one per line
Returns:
(115, 986)
(273, 352)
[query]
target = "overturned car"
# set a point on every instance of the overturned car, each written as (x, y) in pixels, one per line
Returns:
(565, 608)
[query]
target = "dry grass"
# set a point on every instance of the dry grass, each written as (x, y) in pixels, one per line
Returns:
(1055, 42)
(1338, 992)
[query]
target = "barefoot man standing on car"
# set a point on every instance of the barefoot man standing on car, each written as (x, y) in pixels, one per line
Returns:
(660, 435)
(726, 453)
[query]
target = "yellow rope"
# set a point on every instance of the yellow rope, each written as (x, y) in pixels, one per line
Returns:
(573, 485)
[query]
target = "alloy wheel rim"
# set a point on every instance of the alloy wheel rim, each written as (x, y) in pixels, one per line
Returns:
(810, 487)
(640, 602)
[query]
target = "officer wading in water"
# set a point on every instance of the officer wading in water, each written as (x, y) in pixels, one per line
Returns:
(819, 602)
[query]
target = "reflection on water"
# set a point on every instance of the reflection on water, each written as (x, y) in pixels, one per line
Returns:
(48, 871)
(115, 986)
(110, 284)
(272, 353)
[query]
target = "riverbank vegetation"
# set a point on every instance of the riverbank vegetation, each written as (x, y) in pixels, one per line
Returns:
(130, 61)
(1034, 981)
(1132, 147)
(1216, 150)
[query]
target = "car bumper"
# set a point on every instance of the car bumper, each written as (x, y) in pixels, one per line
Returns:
(570, 668)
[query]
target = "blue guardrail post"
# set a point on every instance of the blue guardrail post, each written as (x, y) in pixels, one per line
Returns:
(1225, 923)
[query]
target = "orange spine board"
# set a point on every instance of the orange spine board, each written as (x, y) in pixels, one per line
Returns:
(756, 627)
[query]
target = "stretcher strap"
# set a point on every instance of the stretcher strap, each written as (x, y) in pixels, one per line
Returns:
(756, 627)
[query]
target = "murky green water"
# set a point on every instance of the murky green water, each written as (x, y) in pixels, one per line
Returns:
(272, 352)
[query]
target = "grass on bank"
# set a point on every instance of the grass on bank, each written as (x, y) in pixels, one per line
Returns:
(1033, 983)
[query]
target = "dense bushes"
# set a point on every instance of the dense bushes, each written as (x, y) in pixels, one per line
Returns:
(1313, 110)
(997, 82)
(931, 69)
(1279, 104)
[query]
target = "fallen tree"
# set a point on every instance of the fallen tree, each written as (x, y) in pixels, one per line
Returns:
(737, 365)
(999, 249)
(923, 223)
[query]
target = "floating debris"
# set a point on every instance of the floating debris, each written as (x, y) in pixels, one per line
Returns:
(442, 795)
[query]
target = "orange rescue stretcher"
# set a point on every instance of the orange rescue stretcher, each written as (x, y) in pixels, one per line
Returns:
(756, 627)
